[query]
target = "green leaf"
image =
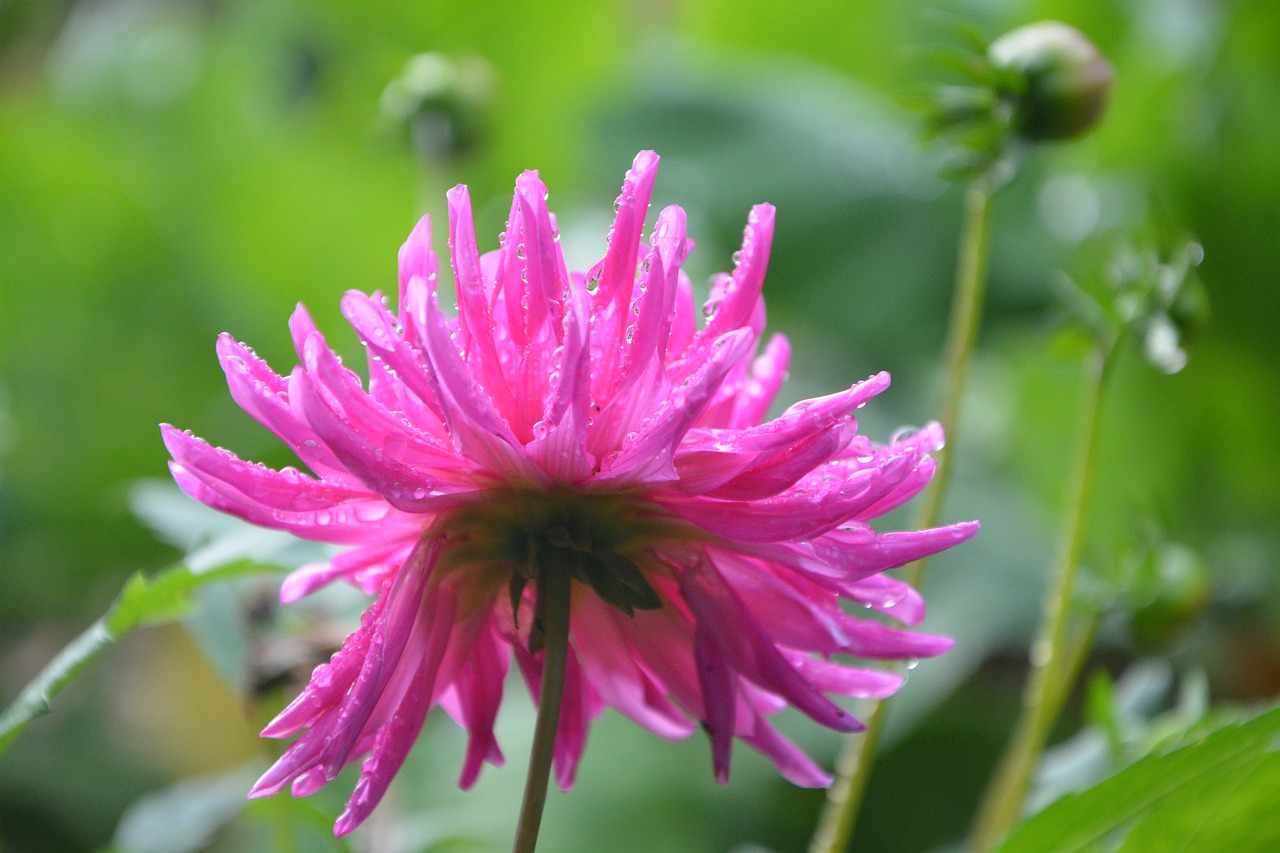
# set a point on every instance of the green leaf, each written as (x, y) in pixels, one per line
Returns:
(1219, 793)
(143, 601)
(184, 817)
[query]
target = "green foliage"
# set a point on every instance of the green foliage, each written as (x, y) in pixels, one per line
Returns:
(143, 601)
(1219, 793)
(169, 171)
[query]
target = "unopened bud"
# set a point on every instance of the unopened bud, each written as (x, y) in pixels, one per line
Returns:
(1057, 80)
(443, 103)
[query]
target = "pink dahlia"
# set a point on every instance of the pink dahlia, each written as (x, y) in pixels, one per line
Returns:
(577, 430)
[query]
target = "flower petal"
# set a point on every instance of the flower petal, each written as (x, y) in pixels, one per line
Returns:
(742, 642)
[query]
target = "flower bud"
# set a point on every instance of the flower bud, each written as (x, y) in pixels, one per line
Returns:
(1056, 79)
(442, 102)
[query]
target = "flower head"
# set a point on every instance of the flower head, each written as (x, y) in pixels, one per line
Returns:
(582, 424)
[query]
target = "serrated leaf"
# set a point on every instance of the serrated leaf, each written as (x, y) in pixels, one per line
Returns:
(143, 601)
(1220, 793)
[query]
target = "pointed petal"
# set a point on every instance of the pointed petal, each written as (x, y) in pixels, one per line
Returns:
(742, 642)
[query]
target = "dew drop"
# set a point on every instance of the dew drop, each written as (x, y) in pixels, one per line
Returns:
(902, 432)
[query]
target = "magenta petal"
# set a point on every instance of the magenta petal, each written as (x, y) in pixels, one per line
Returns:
(800, 513)
(479, 694)
(480, 433)
(615, 273)
(876, 640)
(354, 566)
(720, 698)
(575, 717)
(888, 595)
(382, 460)
(238, 488)
(768, 372)
(733, 306)
(561, 446)
(264, 395)
(855, 682)
(611, 666)
(742, 642)
(473, 307)
(404, 603)
(392, 743)
(801, 613)
(796, 767)
(648, 455)
(381, 335)
(779, 471)
(684, 315)
(416, 260)
(860, 552)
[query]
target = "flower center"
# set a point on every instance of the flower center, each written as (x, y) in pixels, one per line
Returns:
(607, 541)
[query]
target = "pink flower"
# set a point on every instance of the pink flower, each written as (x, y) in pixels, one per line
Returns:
(586, 422)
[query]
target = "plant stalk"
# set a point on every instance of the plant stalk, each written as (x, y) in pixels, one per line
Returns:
(555, 620)
(1054, 663)
(853, 767)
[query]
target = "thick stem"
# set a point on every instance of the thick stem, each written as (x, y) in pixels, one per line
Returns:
(853, 768)
(555, 621)
(1054, 663)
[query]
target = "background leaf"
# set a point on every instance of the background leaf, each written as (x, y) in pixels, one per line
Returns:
(1220, 793)
(143, 601)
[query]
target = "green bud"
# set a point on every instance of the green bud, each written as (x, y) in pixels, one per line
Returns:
(442, 103)
(1055, 78)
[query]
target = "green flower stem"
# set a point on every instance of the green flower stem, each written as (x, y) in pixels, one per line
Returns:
(555, 616)
(853, 767)
(1072, 661)
(962, 336)
(1055, 660)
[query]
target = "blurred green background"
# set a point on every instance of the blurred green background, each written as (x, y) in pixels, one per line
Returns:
(172, 169)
